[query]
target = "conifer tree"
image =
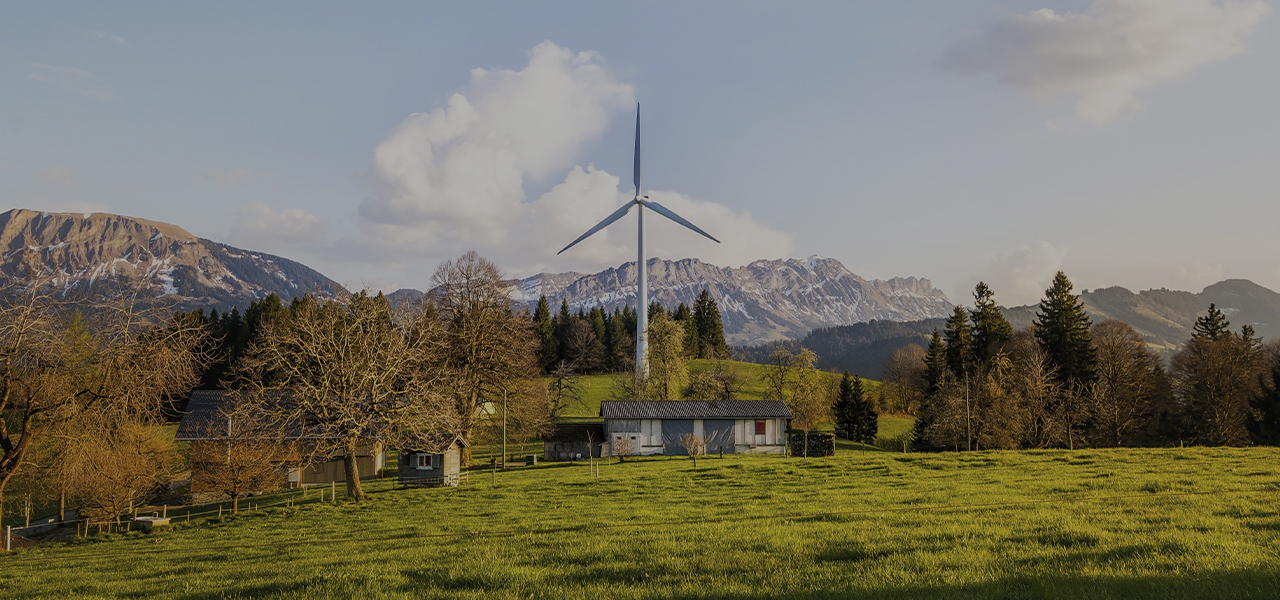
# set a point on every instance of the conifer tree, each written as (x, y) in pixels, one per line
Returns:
(684, 317)
(563, 321)
(990, 329)
(1212, 325)
(1062, 331)
(706, 316)
(548, 346)
(854, 413)
(935, 362)
(959, 338)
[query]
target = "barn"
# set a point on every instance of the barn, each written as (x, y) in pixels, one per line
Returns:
(645, 427)
(204, 408)
(432, 459)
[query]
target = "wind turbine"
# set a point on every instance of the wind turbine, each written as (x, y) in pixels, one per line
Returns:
(642, 275)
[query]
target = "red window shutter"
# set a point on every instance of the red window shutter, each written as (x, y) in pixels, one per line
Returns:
(759, 427)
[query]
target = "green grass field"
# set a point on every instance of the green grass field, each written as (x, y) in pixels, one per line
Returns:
(1166, 523)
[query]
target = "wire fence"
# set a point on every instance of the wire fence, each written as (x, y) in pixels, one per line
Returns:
(597, 527)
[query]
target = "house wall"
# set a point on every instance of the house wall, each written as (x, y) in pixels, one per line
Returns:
(649, 434)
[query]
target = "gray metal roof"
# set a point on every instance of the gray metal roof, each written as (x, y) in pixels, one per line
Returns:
(694, 409)
(202, 409)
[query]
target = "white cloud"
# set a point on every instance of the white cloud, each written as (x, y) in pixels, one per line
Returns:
(102, 35)
(453, 179)
(71, 79)
(261, 227)
(56, 175)
(1110, 52)
(1021, 277)
(1196, 275)
(229, 177)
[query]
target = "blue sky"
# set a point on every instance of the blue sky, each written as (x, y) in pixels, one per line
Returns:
(1127, 142)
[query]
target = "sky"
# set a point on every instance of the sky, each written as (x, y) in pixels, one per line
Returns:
(1130, 143)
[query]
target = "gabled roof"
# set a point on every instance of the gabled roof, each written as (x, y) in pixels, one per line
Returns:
(694, 409)
(434, 443)
(202, 409)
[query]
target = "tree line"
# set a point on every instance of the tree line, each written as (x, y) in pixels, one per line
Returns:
(599, 341)
(1066, 382)
(81, 397)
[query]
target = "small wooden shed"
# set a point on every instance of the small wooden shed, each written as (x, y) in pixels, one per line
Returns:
(432, 459)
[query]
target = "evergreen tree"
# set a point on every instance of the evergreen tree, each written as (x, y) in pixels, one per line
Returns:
(548, 345)
(854, 413)
(620, 348)
(990, 329)
(935, 362)
(1062, 331)
(959, 338)
(563, 321)
(1212, 325)
(706, 318)
(684, 317)
(1265, 427)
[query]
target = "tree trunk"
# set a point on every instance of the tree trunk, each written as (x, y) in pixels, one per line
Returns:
(354, 491)
(235, 504)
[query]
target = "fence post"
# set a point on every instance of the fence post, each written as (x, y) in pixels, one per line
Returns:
(333, 491)
(8, 537)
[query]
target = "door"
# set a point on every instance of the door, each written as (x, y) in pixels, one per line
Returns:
(672, 431)
(718, 433)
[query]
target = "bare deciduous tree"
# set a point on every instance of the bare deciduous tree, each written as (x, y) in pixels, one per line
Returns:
(488, 347)
(234, 457)
(61, 375)
(345, 374)
(904, 380)
(120, 466)
(1129, 377)
(714, 384)
(695, 445)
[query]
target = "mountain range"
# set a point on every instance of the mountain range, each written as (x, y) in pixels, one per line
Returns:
(765, 300)
(100, 255)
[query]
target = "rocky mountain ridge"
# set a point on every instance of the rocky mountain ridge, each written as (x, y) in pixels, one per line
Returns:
(101, 255)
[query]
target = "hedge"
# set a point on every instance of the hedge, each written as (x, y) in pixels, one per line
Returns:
(820, 444)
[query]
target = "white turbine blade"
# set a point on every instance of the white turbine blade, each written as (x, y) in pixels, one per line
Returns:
(662, 210)
(636, 171)
(617, 214)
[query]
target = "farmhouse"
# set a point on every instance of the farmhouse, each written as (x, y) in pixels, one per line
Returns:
(729, 426)
(202, 425)
(573, 441)
(432, 459)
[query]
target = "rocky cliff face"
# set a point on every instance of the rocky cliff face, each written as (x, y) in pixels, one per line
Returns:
(102, 255)
(765, 300)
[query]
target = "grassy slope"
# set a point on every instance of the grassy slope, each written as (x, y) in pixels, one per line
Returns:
(1152, 545)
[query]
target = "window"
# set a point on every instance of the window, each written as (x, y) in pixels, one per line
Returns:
(760, 427)
(424, 461)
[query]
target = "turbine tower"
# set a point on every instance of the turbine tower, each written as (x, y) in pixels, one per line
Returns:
(642, 271)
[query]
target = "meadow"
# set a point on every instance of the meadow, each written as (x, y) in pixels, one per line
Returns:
(1149, 523)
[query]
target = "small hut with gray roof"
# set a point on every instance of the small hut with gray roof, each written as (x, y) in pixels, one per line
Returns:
(728, 426)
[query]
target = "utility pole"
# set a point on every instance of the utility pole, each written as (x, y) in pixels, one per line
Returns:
(968, 430)
(504, 429)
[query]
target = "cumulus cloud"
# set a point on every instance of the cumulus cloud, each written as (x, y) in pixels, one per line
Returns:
(262, 227)
(229, 177)
(56, 175)
(1110, 52)
(1021, 277)
(71, 79)
(454, 178)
